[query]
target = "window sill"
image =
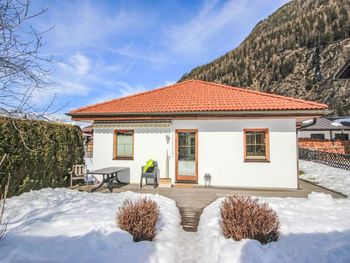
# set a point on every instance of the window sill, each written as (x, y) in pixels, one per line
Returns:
(124, 158)
(256, 161)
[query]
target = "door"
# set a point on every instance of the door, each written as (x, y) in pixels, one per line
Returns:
(187, 156)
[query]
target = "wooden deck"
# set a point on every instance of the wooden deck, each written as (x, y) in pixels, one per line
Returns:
(192, 200)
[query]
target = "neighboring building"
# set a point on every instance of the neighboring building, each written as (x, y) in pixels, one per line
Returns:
(242, 138)
(88, 140)
(330, 128)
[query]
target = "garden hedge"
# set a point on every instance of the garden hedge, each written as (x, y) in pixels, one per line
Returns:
(39, 154)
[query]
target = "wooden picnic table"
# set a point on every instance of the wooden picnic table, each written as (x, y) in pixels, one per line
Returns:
(109, 174)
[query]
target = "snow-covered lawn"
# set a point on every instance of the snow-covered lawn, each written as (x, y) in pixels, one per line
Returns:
(62, 225)
(327, 176)
(316, 229)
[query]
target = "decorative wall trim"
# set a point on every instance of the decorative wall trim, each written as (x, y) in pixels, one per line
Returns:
(115, 125)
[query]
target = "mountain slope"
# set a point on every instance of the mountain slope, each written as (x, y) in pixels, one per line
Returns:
(294, 52)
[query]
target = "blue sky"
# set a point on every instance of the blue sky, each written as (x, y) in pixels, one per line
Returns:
(108, 49)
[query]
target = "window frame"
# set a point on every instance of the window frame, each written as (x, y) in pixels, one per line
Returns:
(265, 158)
(346, 135)
(115, 145)
(317, 136)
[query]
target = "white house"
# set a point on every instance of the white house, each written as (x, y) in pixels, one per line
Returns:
(242, 138)
(330, 128)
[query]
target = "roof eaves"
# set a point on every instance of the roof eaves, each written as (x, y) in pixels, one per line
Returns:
(318, 112)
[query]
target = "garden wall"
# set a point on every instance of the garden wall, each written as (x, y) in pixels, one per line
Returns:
(39, 154)
(337, 146)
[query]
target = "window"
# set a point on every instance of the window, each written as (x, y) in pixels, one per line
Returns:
(341, 136)
(256, 145)
(123, 145)
(319, 136)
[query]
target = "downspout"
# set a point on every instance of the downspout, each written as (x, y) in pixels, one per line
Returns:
(297, 159)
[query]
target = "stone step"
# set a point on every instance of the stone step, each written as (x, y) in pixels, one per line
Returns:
(190, 218)
(184, 185)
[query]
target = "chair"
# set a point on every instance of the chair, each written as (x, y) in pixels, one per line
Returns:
(152, 173)
(79, 172)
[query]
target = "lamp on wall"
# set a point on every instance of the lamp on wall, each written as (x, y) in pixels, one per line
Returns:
(167, 138)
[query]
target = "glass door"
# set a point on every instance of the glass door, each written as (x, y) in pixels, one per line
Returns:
(186, 155)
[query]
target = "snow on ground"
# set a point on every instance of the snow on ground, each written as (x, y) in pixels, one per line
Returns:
(316, 229)
(188, 248)
(61, 225)
(327, 176)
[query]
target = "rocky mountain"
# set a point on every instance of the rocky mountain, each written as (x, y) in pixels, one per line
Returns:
(295, 52)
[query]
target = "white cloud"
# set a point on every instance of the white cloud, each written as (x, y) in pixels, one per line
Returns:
(71, 88)
(169, 82)
(150, 54)
(107, 48)
(197, 33)
(42, 97)
(77, 64)
(215, 24)
(120, 89)
(114, 68)
(83, 24)
(126, 89)
(82, 64)
(81, 76)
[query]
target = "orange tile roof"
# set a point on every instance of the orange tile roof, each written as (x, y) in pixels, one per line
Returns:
(198, 96)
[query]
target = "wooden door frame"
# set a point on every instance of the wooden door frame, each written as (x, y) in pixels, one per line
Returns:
(185, 178)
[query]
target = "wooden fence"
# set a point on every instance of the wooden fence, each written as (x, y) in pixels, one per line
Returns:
(332, 159)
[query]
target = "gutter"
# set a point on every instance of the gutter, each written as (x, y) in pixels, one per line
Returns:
(206, 113)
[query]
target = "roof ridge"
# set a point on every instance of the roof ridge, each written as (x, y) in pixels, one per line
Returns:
(127, 96)
(261, 93)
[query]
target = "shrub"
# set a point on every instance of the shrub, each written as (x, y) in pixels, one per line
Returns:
(139, 218)
(244, 217)
(40, 153)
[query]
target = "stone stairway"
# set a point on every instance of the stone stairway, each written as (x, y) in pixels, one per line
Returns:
(190, 218)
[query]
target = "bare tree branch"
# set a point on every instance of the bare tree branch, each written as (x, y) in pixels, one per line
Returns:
(23, 70)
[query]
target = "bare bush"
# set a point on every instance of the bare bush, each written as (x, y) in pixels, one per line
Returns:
(139, 218)
(244, 217)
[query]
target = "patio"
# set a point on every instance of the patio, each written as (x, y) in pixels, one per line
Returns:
(191, 200)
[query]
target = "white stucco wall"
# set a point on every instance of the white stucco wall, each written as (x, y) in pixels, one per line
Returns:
(307, 134)
(149, 143)
(220, 152)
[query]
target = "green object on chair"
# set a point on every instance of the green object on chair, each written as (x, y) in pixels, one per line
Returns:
(148, 165)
